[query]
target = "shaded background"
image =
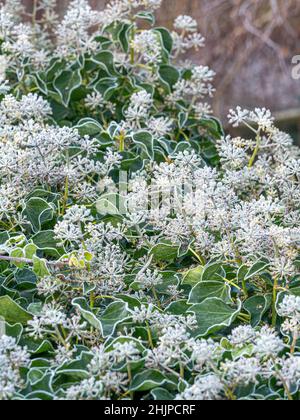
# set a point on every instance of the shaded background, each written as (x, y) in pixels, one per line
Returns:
(250, 44)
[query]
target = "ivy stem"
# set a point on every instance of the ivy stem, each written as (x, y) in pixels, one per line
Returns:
(149, 336)
(231, 283)
(244, 286)
(285, 385)
(34, 12)
(132, 52)
(181, 370)
(256, 151)
(156, 297)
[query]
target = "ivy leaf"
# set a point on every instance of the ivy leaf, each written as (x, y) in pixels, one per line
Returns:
(45, 241)
(193, 276)
(256, 269)
(30, 251)
(88, 127)
(107, 87)
(86, 312)
(161, 394)
(257, 306)
(147, 16)
(66, 83)
(213, 314)
(18, 253)
(105, 59)
(169, 76)
(182, 119)
(166, 39)
(213, 272)
(15, 331)
(40, 267)
(208, 289)
(165, 251)
(13, 313)
(114, 314)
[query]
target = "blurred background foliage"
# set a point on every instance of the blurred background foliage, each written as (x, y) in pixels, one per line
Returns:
(250, 44)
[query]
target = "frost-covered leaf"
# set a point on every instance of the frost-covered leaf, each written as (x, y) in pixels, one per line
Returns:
(114, 314)
(86, 312)
(12, 312)
(66, 83)
(148, 380)
(208, 289)
(257, 306)
(37, 211)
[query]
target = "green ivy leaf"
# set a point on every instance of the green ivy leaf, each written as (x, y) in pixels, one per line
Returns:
(213, 272)
(18, 253)
(105, 59)
(89, 127)
(169, 76)
(193, 276)
(45, 241)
